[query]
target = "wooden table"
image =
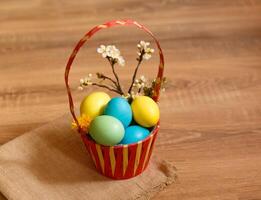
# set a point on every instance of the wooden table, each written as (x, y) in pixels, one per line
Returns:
(211, 111)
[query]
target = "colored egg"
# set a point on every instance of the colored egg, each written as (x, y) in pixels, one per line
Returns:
(119, 108)
(145, 111)
(93, 105)
(106, 130)
(134, 134)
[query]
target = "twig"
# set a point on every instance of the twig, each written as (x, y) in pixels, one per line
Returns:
(102, 76)
(108, 78)
(108, 88)
(136, 70)
(112, 62)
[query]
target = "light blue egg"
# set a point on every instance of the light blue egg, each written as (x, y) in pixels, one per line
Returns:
(119, 108)
(134, 134)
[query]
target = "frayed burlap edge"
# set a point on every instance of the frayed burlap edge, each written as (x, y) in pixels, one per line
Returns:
(170, 171)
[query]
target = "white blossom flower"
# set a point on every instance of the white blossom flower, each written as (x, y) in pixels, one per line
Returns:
(126, 96)
(121, 61)
(142, 78)
(111, 52)
(87, 79)
(143, 45)
(81, 81)
(146, 56)
(102, 50)
(80, 88)
(140, 83)
(145, 50)
(133, 94)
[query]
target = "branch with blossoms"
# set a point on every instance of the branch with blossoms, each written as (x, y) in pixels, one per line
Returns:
(112, 54)
(114, 57)
(144, 53)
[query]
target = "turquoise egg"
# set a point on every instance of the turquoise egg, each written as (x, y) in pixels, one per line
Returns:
(134, 134)
(119, 108)
(106, 130)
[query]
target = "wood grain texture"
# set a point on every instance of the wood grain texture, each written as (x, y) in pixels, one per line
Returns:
(211, 112)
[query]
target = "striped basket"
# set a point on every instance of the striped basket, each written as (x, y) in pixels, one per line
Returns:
(120, 161)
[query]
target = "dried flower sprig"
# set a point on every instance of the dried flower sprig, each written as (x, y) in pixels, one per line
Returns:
(148, 90)
(142, 86)
(84, 122)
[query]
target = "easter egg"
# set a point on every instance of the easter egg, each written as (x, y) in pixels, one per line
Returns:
(145, 111)
(134, 134)
(93, 105)
(119, 108)
(106, 130)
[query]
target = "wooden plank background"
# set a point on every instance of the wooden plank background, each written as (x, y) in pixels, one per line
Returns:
(211, 111)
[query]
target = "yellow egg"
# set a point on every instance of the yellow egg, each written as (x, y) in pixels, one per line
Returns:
(94, 104)
(145, 111)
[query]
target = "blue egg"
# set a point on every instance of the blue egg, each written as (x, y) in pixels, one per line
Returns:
(134, 134)
(119, 108)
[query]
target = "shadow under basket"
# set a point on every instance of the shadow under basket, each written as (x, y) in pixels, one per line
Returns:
(121, 161)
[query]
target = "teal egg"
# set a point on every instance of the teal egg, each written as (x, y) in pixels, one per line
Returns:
(106, 130)
(119, 108)
(134, 134)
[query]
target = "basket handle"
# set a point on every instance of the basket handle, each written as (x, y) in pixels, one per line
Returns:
(88, 35)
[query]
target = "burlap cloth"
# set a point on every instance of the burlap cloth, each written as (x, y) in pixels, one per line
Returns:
(51, 163)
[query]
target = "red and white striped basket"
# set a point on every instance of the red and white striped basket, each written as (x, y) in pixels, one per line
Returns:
(120, 161)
